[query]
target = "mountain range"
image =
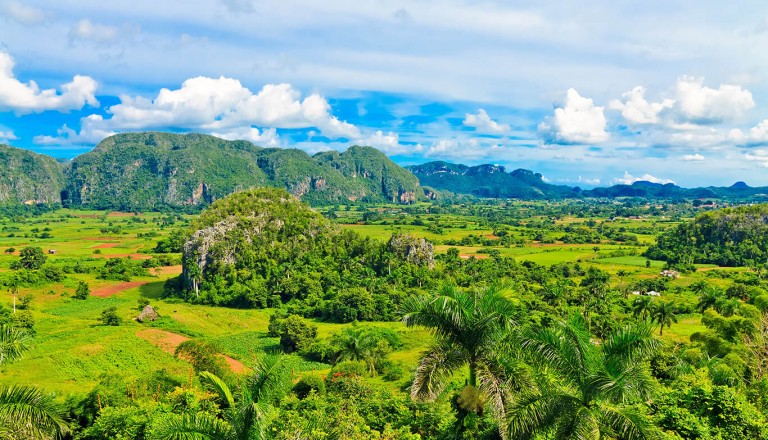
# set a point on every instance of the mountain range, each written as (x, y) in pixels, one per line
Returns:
(157, 171)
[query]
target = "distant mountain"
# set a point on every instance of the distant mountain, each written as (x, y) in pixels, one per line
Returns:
(643, 189)
(29, 178)
(489, 181)
(145, 171)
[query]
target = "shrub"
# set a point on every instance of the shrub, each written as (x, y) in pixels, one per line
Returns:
(109, 316)
(82, 291)
(307, 384)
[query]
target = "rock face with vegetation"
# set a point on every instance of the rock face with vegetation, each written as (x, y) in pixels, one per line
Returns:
(727, 237)
(265, 248)
(29, 178)
(488, 181)
(146, 171)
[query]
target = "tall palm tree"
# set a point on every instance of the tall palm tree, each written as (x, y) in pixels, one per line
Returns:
(468, 329)
(243, 412)
(25, 411)
(583, 389)
(641, 306)
(663, 313)
(709, 298)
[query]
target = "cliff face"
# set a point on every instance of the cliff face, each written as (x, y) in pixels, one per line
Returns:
(29, 178)
(145, 171)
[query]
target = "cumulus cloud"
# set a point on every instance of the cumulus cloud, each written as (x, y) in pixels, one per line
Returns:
(264, 138)
(220, 105)
(7, 135)
(483, 123)
(629, 179)
(389, 143)
(693, 157)
(579, 121)
(704, 105)
(637, 110)
(756, 136)
(23, 98)
(91, 132)
(759, 156)
(21, 13)
(693, 104)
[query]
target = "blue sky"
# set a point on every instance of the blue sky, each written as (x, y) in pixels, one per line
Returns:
(585, 93)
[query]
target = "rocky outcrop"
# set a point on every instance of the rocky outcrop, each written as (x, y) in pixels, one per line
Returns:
(415, 250)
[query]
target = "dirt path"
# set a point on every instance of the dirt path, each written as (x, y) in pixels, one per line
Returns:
(105, 245)
(104, 292)
(168, 342)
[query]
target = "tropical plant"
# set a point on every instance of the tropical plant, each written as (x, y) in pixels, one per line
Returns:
(243, 411)
(365, 344)
(25, 411)
(468, 328)
(641, 306)
(584, 390)
(663, 314)
(709, 297)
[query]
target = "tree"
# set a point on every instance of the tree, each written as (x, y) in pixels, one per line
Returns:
(82, 291)
(109, 316)
(366, 344)
(31, 258)
(584, 390)
(641, 306)
(709, 298)
(243, 411)
(663, 313)
(468, 329)
(296, 333)
(25, 412)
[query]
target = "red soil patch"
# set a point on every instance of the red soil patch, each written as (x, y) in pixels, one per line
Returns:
(121, 214)
(168, 342)
(104, 292)
(167, 270)
(478, 256)
(134, 256)
(105, 245)
(162, 339)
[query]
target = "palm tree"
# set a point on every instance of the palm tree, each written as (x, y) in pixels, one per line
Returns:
(362, 344)
(664, 314)
(583, 390)
(25, 411)
(709, 298)
(243, 413)
(468, 327)
(641, 306)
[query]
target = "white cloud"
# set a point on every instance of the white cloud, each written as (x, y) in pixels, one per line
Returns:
(264, 138)
(464, 149)
(579, 121)
(484, 124)
(693, 157)
(389, 143)
(24, 98)
(637, 110)
(704, 105)
(223, 103)
(24, 14)
(593, 182)
(760, 156)
(216, 105)
(91, 133)
(756, 136)
(629, 179)
(7, 135)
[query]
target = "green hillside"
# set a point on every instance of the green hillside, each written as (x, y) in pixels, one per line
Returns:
(151, 171)
(29, 178)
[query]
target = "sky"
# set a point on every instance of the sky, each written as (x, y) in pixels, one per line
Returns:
(585, 92)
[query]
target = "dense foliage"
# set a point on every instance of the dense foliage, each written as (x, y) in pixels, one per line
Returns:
(727, 237)
(27, 178)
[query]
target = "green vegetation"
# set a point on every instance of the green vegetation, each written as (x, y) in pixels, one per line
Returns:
(433, 320)
(27, 178)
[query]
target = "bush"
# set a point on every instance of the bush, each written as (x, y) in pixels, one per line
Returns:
(353, 368)
(307, 384)
(109, 316)
(296, 333)
(82, 291)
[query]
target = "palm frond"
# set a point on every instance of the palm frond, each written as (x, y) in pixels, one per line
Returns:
(13, 343)
(627, 424)
(583, 425)
(435, 370)
(199, 426)
(534, 412)
(631, 344)
(30, 410)
(220, 387)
